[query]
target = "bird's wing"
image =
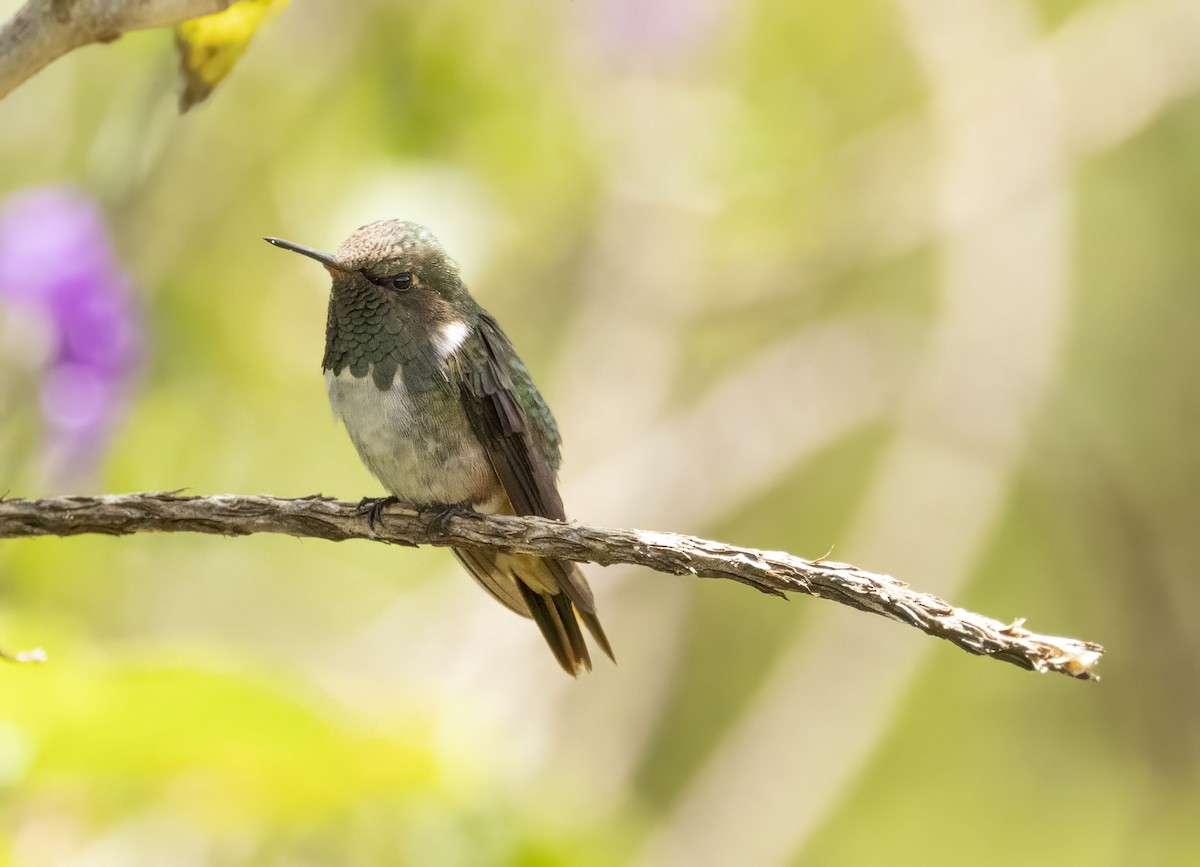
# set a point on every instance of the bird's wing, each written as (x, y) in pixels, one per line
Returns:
(522, 445)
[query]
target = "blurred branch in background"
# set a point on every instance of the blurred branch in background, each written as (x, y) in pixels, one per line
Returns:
(772, 572)
(44, 30)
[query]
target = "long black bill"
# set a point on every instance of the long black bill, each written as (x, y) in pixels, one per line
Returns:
(324, 258)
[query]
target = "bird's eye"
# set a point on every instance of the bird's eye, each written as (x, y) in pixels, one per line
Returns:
(398, 282)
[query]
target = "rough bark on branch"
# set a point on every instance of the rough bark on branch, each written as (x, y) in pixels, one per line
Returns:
(773, 572)
(42, 31)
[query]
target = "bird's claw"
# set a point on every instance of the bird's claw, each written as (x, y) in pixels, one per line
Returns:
(438, 515)
(372, 508)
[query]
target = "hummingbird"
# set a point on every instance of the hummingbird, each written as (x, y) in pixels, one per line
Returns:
(444, 414)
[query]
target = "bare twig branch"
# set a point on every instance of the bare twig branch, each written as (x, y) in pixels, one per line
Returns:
(42, 31)
(772, 572)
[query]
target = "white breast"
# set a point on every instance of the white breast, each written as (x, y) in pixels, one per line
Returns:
(358, 402)
(417, 459)
(378, 421)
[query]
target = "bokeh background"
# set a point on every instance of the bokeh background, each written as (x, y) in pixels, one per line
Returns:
(914, 281)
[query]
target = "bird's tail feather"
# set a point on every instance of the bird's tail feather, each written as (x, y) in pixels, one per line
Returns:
(592, 622)
(526, 585)
(555, 617)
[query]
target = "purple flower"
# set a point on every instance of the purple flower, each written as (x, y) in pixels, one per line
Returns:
(58, 273)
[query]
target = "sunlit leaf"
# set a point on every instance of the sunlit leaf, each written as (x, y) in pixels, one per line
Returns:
(209, 46)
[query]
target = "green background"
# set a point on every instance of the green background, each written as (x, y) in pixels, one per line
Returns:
(911, 281)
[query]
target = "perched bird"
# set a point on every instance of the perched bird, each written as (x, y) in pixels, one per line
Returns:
(443, 412)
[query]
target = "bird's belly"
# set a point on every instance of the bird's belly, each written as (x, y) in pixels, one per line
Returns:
(421, 448)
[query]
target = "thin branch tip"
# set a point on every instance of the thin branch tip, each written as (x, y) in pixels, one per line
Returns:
(36, 656)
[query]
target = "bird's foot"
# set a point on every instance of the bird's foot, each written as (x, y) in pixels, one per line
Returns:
(438, 515)
(372, 508)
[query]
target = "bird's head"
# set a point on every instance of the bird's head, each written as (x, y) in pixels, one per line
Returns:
(394, 267)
